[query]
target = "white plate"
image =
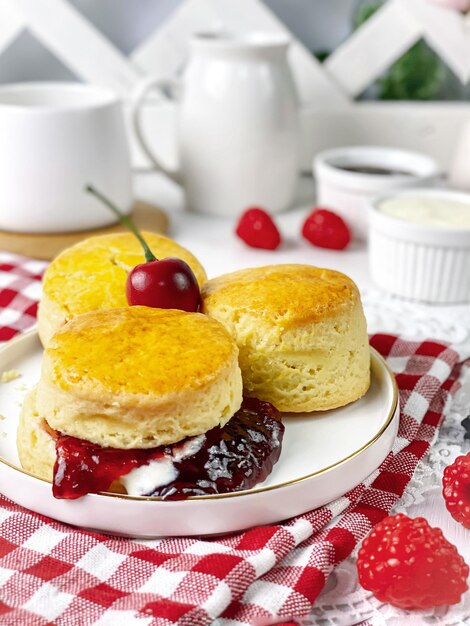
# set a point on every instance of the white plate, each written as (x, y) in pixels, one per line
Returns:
(323, 456)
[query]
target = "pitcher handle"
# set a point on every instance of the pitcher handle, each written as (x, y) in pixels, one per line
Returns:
(140, 94)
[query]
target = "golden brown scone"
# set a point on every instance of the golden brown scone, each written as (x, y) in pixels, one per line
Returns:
(138, 377)
(36, 444)
(36, 447)
(301, 333)
(92, 275)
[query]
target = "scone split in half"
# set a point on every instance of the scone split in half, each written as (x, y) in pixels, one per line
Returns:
(145, 401)
(301, 333)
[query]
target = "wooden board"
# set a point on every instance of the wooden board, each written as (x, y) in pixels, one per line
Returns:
(47, 246)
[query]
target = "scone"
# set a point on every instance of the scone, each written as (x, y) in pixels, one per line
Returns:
(126, 396)
(301, 333)
(92, 275)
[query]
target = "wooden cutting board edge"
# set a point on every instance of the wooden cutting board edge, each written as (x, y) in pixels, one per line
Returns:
(46, 246)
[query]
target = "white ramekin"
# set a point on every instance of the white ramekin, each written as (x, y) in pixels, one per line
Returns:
(420, 261)
(349, 193)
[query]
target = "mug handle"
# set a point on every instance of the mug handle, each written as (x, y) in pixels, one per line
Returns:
(140, 95)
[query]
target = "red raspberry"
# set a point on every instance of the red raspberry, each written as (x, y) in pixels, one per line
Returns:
(326, 229)
(411, 565)
(456, 491)
(257, 229)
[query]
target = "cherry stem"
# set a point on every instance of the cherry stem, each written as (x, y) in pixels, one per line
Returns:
(123, 219)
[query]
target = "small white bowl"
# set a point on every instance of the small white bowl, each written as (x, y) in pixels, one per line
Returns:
(348, 193)
(419, 261)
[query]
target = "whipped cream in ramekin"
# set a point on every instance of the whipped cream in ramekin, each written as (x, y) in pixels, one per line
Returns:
(419, 245)
(441, 211)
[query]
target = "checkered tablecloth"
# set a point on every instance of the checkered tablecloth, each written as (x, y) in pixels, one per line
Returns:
(52, 574)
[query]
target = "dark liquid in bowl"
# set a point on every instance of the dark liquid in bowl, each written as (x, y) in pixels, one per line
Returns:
(373, 169)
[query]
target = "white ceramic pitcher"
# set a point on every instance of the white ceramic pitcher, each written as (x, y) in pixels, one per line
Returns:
(238, 130)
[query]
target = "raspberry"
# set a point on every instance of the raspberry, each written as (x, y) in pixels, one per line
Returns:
(411, 565)
(257, 229)
(456, 491)
(326, 229)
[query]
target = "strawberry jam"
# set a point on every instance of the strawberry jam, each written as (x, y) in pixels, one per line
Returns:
(235, 457)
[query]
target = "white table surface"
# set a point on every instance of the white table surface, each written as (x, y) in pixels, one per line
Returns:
(212, 240)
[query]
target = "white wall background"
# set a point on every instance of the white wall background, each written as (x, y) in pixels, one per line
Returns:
(319, 24)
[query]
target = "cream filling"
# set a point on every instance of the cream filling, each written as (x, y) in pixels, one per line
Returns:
(434, 211)
(160, 472)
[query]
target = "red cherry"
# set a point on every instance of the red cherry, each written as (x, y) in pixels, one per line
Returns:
(166, 284)
(258, 230)
(326, 229)
(163, 284)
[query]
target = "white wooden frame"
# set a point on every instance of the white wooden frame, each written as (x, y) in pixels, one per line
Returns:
(326, 91)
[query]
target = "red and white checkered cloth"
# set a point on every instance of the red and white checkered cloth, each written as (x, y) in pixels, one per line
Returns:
(52, 574)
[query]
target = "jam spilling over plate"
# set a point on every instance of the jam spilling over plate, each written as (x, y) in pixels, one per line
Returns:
(232, 458)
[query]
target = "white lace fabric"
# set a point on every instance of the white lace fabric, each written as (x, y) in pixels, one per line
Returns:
(344, 602)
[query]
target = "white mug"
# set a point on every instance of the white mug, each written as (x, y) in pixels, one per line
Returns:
(238, 130)
(56, 138)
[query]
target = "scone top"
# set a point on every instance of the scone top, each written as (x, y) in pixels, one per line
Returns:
(92, 275)
(139, 377)
(301, 333)
(139, 350)
(281, 295)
